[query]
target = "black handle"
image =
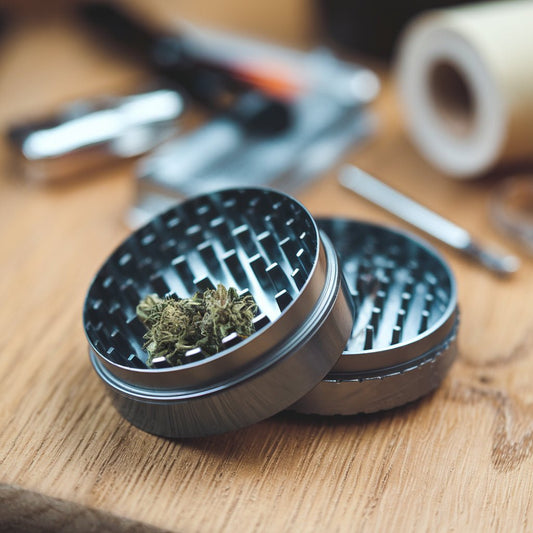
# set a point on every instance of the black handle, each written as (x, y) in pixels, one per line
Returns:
(168, 56)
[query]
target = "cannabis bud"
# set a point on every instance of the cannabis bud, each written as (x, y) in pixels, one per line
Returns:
(177, 325)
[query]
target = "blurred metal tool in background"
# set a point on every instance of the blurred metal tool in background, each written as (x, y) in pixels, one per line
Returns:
(279, 70)
(421, 217)
(171, 58)
(219, 155)
(511, 209)
(327, 100)
(87, 134)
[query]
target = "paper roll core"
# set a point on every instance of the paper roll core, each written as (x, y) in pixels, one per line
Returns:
(452, 97)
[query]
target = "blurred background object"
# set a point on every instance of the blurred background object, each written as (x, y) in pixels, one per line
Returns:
(467, 112)
(512, 209)
(268, 114)
(91, 133)
(326, 97)
(371, 27)
(431, 223)
(174, 59)
(465, 78)
(219, 155)
(281, 70)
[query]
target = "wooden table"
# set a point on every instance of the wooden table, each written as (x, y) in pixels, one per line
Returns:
(458, 460)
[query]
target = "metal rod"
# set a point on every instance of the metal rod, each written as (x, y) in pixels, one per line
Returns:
(421, 217)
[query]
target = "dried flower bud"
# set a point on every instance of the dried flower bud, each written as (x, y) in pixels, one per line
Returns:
(177, 325)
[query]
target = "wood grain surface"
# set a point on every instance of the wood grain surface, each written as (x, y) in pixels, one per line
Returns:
(458, 460)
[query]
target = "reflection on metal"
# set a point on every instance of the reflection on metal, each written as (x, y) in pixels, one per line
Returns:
(89, 133)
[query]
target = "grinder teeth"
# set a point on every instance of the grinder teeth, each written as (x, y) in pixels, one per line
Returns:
(239, 239)
(392, 284)
(389, 309)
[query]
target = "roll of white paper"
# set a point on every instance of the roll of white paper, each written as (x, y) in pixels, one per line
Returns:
(465, 79)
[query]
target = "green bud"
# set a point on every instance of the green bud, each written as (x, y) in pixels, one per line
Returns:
(176, 325)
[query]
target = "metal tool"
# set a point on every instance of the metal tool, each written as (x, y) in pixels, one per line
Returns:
(86, 134)
(257, 240)
(403, 340)
(220, 154)
(422, 218)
